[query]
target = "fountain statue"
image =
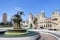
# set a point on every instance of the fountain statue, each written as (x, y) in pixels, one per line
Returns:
(17, 20)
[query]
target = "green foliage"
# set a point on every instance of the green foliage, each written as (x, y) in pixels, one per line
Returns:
(7, 24)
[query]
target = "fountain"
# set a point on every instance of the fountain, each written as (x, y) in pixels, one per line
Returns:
(18, 33)
(17, 25)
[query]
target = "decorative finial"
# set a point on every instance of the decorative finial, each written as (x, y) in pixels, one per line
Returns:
(42, 11)
(57, 9)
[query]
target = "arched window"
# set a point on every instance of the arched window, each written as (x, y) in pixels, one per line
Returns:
(46, 25)
(50, 25)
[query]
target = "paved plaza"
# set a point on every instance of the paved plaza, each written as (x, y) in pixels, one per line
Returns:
(47, 37)
(44, 36)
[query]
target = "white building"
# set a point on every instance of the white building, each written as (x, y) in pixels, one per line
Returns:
(56, 19)
(43, 22)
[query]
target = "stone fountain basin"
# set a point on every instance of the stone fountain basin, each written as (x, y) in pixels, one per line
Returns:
(15, 32)
(28, 36)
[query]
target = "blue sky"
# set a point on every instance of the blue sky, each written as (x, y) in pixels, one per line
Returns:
(34, 6)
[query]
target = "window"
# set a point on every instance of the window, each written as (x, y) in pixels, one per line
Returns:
(46, 25)
(50, 25)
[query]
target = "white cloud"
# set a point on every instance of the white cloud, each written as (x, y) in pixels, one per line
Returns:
(18, 9)
(8, 18)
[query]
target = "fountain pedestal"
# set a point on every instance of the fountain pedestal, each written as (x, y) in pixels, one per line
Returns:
(16, 26)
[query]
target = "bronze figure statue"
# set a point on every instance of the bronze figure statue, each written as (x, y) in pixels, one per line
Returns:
(17, 20)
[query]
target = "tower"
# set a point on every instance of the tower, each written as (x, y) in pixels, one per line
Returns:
(4, 18)
(42, 14)
(30, 20)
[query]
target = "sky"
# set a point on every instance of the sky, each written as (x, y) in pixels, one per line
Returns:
(33, 6)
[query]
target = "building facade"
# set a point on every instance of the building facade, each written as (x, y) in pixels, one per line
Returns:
(55, 16)
(43, 22)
